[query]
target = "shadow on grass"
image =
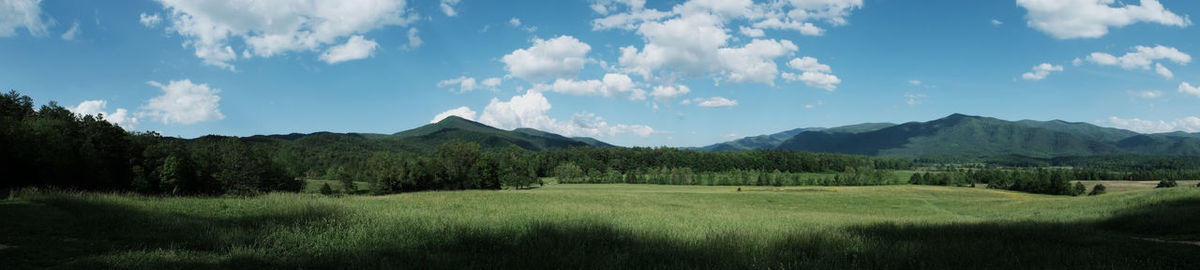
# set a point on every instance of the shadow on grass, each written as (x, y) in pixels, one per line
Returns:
(114, 236)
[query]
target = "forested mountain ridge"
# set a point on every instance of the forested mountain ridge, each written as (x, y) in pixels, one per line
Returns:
(960, 136)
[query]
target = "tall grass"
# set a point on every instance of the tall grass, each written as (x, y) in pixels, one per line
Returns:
(606, 227)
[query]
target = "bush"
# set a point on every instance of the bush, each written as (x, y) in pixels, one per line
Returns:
(1078, 189)
(325, 189)
(1167, 184)
(1098, 190)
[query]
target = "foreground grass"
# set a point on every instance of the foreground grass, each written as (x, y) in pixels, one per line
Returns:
(609, 226)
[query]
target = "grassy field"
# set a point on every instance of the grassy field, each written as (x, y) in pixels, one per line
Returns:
(612, 226)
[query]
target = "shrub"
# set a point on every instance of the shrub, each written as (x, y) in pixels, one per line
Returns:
(325, 189)
(1078, 189)
(1167, 184)
(1098, 190)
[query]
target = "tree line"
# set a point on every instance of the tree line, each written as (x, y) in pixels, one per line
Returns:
(54, 147)
(569, 173)
(1040, 180)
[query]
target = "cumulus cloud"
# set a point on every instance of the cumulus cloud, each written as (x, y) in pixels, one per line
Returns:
(1188, 124)
(1068, 19)
(814, 74)
(464, 112)
(464, 83)
(355, 48)
(273, 27)
(914, 82)
(1186, 88)
(184, 102)
(516, 23)
(414, 40)
(492, 83)
(448, 7)
(751, 32)
(1163, 71)
(558, 58)
(692, 38)
(753, 62)
(669, 91)
(1041, 71)
(530, 111)
(611, 85)
(121, 117)
(713, 102)
(26, 14)
(149, 20)
(997, 22)
(467, 84)
(1143, 57)
(71, 33)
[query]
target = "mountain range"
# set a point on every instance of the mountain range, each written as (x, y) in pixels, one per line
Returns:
(968, 137)
(957, 136)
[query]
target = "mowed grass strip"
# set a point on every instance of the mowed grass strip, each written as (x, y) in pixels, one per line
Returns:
(614, 226)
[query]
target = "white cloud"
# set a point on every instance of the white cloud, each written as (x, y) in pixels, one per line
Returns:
(1163, 71)
(414, 41)
(530, 111)
(692, 39)
(516, 23)
(715, 102)
(1041, 71)
(809, 64)
(557, 58)
(914, 82)
(71, 33)
(611, 85)
(751, 32)
(1186, 88)
(355, 48)
(22, 14)
(997, 22)
(467, 84)
(1188, 124)
(492, 83)
(150, 20)
(814, 74)
(754, 62)
(464, 83)
(1067, 19)
(913, 99)
(1147, 94)
(448, 7)
(1077, 62)
(184, 102)
(669, 91)
(1141, 57)
(464, 112)
(273, 27)
(120, 118)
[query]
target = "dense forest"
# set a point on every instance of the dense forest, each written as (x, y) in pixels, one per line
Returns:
(53, 147)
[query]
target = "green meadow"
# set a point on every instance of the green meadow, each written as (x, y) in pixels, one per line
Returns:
(608, 226)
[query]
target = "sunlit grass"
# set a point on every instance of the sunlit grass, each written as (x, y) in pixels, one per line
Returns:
(599, 226)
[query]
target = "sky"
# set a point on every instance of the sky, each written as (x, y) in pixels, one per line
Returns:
(628, 72)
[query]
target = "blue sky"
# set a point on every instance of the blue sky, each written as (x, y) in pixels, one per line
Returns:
(676, 73)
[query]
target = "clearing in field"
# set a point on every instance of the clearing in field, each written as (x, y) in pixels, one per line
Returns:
(614, 226)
